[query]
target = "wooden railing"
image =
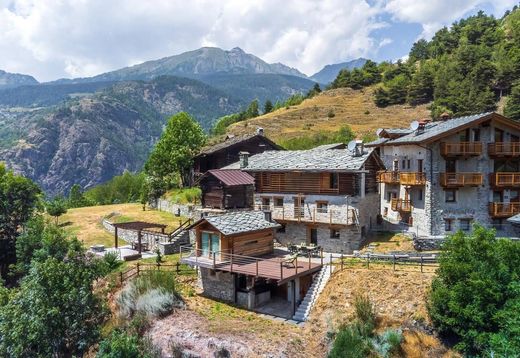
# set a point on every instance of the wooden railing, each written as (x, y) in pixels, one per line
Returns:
(388, 177)
(455, 180)
(464, 149)
(412, 178)
(401, 205)
(404, 178)
(504, 210)
(504, 149)
(505, 179)
(310, 213)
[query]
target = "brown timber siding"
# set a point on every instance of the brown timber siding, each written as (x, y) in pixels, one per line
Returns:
(371, 177)
(253, 244)
(306, 183)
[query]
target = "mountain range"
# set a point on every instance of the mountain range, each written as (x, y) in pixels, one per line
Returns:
(329, 73)
(86, 130)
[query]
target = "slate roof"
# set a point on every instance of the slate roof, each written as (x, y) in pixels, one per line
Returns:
(232, 177)
(331, 160)
(377, 142)
(330, 146)
(239, 222)
(434, 129)
(515, 220)
(398, 131)
(232, 141)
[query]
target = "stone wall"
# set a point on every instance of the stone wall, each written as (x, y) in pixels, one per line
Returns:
(296, 233)
(219, 285)
(422, 244)
(184, 210)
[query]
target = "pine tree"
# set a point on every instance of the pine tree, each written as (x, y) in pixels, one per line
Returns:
(268, 107)
(512, 108)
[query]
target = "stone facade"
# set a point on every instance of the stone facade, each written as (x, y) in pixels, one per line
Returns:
(217, 284)
(430, 208)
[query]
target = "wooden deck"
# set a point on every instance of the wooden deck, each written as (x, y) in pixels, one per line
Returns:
(277, 268)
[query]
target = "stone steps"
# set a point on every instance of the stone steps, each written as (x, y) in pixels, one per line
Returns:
(304, 309)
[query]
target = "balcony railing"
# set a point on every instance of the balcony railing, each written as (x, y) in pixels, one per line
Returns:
(401, 205)
(339, 215)
(504, 210)
(461, 149)
(504, 149)
(416, 178)
(404, 178)
(457, 180)
(388, 177)
(505, 179)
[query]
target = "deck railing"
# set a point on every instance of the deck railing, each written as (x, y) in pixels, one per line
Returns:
(340, 215)
(401, 205)
(505, 179)
(412, 178)
(256, 266)
(464, 149)
(456, 180)
(504, 210)
(404, 178)
(388, 177)
(504, 149)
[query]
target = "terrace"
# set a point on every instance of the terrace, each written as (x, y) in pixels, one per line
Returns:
(312, 213)
(505, 180)
(504, 149)
(504, 210)
(277, 266)
(401, 205)
(457, 180)
(461, 149)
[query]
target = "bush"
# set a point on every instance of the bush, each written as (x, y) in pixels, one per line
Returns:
(351, 343)
(365, 313)
(389, 343)
(119, 345)
(112, 260)
(152, 294)
(475, 296)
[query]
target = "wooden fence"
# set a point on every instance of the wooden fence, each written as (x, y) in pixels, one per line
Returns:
(422, 263)
(176, 268)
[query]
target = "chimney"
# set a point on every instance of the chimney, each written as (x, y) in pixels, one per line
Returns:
(445, 116)
(244, 159)
(360, 147)
(260, 131)
(268, 216)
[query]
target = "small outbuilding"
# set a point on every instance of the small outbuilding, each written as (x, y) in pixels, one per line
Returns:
(227, 189)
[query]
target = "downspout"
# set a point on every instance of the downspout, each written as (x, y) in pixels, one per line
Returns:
(431, 185)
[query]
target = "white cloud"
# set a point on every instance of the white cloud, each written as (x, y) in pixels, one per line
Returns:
(54, 38)
(70, 38)
(433, 15)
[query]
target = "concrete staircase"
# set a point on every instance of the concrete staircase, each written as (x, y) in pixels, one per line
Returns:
(304, 309)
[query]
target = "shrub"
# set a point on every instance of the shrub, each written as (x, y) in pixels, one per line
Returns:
(331, 113)
(152, 294)
(388, 344)
(473, 297)
(176, 350)
(112, 260)
(119, 345)
(365, 313)
(350, 343)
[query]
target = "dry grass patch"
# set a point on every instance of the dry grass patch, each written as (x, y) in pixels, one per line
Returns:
(387, 242)
(353, 107)
(85, 223)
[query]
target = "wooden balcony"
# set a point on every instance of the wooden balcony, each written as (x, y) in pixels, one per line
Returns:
(461, 149)
(413, 178)
(505, 180)
(401, 205)
(504, 210)
(388, 177)
(310, 213)
(457, 180)
(504, 149)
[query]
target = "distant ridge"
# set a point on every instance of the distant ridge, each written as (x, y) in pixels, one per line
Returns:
(202, 62)
(11, 80)
(328, 73)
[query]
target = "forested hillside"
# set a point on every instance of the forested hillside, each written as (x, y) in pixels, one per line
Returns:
(463, 69)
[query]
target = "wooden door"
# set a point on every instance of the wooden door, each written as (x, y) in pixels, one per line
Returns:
(313, 236)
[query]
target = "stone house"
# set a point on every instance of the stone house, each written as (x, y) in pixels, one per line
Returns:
(323, 196)
(238, 263)
(446, 174)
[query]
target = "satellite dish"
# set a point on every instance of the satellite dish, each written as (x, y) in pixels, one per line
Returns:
(379, 130)
(352, 145)
(414, 125)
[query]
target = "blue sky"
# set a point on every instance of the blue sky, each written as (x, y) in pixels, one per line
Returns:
(76, 38)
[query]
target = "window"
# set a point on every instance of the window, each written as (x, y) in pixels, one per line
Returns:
(278, 202)
(403, 164)
(334, 234)
(266, 201)
(451, 165)
(448, 225)
(281, 228)
(408, 163)
(333, 180)
(465, 224)
(420, 165)
(476, 134)
(420, 195)
(395, 167)
(450, 195)
(322, 206)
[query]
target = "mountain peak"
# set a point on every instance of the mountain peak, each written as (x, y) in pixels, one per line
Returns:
(329, 72)
(237, 49)
(10, 80)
